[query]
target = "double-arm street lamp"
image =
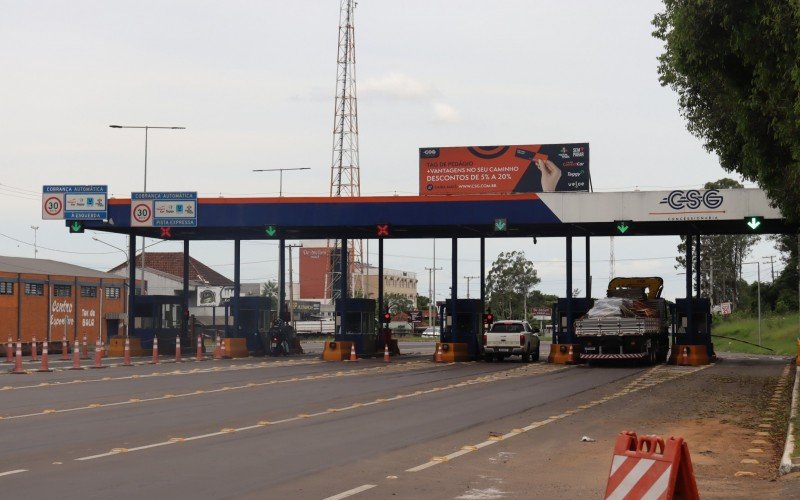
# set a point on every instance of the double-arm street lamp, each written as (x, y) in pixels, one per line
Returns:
(146, 130)
(280, 180)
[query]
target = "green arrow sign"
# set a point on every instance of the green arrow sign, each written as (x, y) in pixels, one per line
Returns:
(500, 225)
(76, 227)
(753, 222)
(622, 227)
(271, 230)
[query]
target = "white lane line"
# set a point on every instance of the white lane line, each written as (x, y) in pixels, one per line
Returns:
(354, 491)
(10, 472)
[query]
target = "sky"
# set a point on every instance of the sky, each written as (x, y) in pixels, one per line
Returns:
(253, 82)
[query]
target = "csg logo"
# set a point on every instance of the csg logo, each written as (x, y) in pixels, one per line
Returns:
(693, 199)
(429, 152)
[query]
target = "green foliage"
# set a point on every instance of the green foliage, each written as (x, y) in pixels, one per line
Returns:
(736, 69)
(398, 303)
(509, 284)
(423, 302)
(778, 332)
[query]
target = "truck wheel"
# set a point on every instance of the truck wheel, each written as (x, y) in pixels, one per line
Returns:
(488, 358)
(536, 354)
(526, 357)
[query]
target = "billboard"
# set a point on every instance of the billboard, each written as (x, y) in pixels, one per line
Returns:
(213, 296)
(532, 168)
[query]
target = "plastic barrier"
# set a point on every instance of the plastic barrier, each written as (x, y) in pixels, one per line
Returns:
(98, 355)
(126, 352)
(64, 348)
(155, 351)
(386, 357)
(76, 356)
(353, 356)
(34, 354)
(85, 351)
(10, 350)
(199, 354)
(178, 349)
(647, 467)
(45, 351)
(18, 363)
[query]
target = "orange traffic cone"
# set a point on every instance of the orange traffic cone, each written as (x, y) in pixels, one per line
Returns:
(437, 356)
(76, 356)
(155, 351)
(685, 357)
(353, 356)
(199, 355)
(10, 350)
(570, 355)
(217, 350)
(85, 350)
(127, 352)
(64, 348)
(98, 354)
(18, 363)
(44, 367)
(178, 349)
(222, 353)
(386, 357)
(34, 355)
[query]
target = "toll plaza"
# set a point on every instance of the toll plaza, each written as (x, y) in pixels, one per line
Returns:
(570, 215)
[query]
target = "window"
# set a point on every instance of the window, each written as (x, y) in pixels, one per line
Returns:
(112, 292)
(6, 288)
(34, 289)
(62, 290)
(88, 291)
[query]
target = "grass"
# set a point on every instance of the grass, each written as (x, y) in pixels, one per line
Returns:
(778, 332)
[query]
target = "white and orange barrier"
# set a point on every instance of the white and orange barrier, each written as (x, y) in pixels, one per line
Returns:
(649, 467)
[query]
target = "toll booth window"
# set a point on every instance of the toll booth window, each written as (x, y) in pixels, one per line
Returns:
(35, 289)
(88, 291)
(62, 290)
(466, 322)
(112, 292)
(6, 288)
(169, 316)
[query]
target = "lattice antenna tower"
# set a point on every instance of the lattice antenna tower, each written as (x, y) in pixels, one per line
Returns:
(345, 173)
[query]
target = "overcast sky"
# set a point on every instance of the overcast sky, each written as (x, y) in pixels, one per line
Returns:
(253, 82)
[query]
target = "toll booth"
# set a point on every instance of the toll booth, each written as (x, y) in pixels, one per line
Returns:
(158, 316)
(565, 348)
(693, 344)
(460, 338)
(361, 331)
(254, 318)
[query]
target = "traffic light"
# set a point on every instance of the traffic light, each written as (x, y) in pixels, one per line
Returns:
(754, 221)
(387, 318)
(271, 230)
(488, 317)
(75, 226)
(382, 230)
(622, 226)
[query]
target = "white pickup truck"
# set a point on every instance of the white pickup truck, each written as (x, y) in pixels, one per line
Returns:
(511, 338)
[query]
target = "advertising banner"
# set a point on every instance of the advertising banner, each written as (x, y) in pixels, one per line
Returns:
(533, 168)
(213, 296)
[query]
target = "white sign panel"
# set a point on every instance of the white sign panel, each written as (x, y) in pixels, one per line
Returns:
(172, 209)
(74, 202)
(211, 296)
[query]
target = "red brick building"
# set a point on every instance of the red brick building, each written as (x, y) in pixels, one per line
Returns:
(47, 299)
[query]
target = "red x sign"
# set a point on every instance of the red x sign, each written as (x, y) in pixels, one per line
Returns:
(383, 229)
(166, 232)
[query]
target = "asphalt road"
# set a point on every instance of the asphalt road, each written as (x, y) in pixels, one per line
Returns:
(280, 427)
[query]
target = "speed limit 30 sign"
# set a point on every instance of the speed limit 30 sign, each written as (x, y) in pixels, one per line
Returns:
(75, 202)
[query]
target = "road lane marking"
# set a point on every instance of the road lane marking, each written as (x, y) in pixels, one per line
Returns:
(354, 491)
(497, 376)
(10, 472)
(399, 368)
(654, 376)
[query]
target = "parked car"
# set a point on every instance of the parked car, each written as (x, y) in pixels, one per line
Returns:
(511, 338)
(431, 331)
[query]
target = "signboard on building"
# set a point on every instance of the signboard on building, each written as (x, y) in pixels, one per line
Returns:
(532, 168)
(542, 313)
(167, 209)
(211, 296)
(75, 202)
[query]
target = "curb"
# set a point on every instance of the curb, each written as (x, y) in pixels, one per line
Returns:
(787, 465)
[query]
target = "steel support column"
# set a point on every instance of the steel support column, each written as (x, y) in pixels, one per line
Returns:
(342, 305)
(690, 334)
(282, 279)
(185, 295)
(129, 330)
(588, 269)
(483, 275)
(237, 261)
(697, 265)
(454, 288)
(568, 338)
(381, 306)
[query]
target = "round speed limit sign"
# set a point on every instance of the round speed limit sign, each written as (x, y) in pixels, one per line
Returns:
(142, 214)
(53, 207)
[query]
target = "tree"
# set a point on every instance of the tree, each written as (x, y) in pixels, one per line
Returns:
(509, 283)
(270, 290)
(398, 303)
(423, 302)
(735, 68)
(721, 256)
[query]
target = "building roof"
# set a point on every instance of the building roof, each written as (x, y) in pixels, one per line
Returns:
(171, 263)
(49, 267)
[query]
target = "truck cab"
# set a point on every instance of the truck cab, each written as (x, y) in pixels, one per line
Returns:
(511, 338)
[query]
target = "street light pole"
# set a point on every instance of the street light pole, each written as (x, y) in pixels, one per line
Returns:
(280, 178)
(127, 259)
(468, 278)
(146, 129)
(35, 248)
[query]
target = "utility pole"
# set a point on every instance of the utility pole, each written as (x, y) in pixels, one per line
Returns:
(470, 278)
(291, 284)
(432, 301)
(771, 262)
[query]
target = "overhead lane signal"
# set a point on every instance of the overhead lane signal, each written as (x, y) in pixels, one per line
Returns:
(754, 221)
(382, 230)
(622, 226)
(271, 230)
(75, 226)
